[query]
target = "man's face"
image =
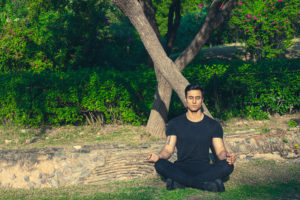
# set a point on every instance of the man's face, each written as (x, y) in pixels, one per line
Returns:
(194, 100)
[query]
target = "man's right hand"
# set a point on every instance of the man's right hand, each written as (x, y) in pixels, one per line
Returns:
(152, 157)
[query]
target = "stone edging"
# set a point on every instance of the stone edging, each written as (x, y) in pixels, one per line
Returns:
(103, 163)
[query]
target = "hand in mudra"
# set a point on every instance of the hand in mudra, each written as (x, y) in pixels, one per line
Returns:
(152, 157)
(231, 158)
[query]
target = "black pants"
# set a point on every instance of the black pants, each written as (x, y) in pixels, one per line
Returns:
(193, 175)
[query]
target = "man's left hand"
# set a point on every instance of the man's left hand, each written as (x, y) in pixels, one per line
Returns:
(230, 158)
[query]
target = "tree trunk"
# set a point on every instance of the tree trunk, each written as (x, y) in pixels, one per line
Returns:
(169, 70)
(158, 118)
(159, 113)
(173, 25)
(156, 123)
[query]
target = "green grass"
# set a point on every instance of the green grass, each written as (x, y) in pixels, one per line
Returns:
(20, 137)
(289, 190)
(256, 179)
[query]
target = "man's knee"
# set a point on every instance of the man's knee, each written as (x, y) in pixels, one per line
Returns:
(227, 169)
(160, 165)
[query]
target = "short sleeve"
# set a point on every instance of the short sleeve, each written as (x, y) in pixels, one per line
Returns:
(171, 129)
(218, 132)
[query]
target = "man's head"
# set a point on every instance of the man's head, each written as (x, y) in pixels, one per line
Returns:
(194, 97)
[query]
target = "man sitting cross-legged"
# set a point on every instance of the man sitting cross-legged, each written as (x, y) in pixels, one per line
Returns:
(193, 133)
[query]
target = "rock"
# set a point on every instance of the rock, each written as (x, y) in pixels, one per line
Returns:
(268, 156)
(26, 178)
(60, 154)
(51, 175)
(85, 173)
(63, 164)
(59, 174)
(28, 141)
(67, 172)
(77, 147)
(7, 141)
(292, 155)
(145, 146)
(32, 185)
(54, 183)
(243, 148)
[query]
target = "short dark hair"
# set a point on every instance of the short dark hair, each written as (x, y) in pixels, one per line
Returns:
(194, 86)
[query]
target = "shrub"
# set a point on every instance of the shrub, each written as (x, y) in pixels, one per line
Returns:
(232, 88)
(249, 89)
(265, 26)
(65, 98)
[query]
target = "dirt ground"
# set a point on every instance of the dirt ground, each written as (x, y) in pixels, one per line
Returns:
(236, 50)
(283, 122)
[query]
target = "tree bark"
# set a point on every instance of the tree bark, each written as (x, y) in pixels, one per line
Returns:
(155, 125)
(169, 70)
(158, 117)
(173, 24)
(133, 10)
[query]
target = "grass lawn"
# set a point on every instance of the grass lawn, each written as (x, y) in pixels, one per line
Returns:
(254, 179)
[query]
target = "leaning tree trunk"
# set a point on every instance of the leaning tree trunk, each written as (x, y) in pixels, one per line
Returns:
(157, 120)
(160, 107)
(133, 10)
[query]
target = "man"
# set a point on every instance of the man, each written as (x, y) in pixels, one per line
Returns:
(193, 133)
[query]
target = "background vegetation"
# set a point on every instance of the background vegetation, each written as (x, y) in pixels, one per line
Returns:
(79, 61)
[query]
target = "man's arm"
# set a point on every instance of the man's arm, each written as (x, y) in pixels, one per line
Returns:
(166, 152)
(221, 151)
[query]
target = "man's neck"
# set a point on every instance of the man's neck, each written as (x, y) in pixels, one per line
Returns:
(194, 116)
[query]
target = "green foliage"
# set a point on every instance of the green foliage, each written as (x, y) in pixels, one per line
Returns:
(189, 26)
(234, 88)
(292, 123)
(285, 140)
(51, 35)
(65, 98)
(249, 89)
(265, 26)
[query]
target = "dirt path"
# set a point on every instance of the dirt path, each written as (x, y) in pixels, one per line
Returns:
(236, 50)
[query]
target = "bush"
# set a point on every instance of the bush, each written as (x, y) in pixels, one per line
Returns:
(265, 26)
(66, 98)
(235, 88)
(232, 88)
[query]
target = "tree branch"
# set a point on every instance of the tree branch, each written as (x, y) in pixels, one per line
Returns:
(213, 19)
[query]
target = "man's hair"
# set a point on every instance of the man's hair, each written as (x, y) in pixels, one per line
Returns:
(194, 86)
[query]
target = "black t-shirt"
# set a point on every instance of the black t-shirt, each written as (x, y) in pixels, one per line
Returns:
(194, 138)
